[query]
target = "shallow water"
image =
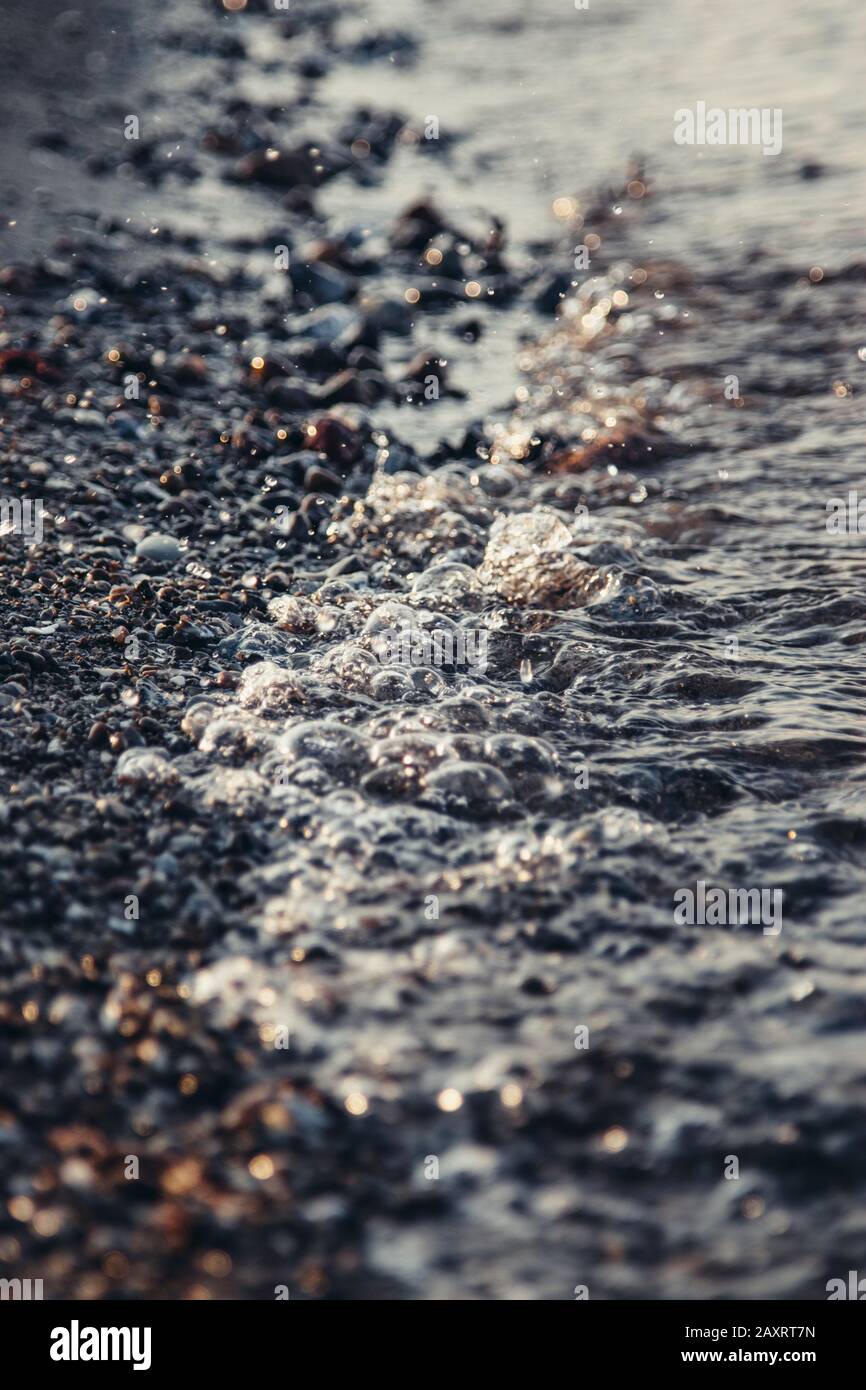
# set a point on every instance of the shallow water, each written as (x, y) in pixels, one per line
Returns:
(465, 866)
(692, 642)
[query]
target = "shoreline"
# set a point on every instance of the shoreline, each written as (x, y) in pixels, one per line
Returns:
(231, 823)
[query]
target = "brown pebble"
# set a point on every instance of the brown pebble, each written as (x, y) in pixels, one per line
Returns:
(336, 441)
(322, 480)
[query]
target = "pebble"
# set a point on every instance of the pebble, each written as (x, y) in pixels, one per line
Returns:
(158, 546)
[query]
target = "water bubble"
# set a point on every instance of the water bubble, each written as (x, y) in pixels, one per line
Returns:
(468, 787)
(337, 748)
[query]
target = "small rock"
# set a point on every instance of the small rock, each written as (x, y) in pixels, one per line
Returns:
(158, 546)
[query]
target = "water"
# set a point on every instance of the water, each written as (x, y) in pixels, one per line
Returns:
(464, 867)
(691, 642)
